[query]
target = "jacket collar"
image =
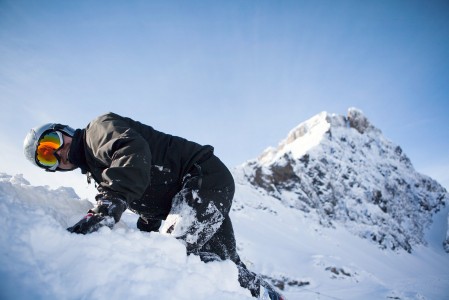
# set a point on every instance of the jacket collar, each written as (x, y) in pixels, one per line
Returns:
(77, 155)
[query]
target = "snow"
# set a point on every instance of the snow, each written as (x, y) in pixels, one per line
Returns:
(301, 139)
(354, 176)
(39, 259)
(367, 225)
(296, 248)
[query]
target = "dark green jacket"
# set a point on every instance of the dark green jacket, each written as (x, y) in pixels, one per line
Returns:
(135, 162)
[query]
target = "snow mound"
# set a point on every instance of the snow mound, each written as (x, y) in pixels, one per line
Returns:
(39, 259)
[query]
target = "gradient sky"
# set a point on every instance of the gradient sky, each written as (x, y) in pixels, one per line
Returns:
(234, 74)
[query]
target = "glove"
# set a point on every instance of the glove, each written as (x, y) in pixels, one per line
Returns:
(148, 225)
(107, 212)
(91, 222)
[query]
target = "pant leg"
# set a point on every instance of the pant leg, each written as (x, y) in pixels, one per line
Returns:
(202, 205)
(200, 218)
(223, 244)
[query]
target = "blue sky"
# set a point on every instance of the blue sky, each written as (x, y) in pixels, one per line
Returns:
(234, 74)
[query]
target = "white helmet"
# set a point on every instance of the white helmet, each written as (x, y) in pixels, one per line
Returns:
(32, 139)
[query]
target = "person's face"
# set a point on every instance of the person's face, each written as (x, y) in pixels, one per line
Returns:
(63, 154)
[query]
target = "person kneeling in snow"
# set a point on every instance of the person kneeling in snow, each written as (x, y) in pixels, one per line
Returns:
(156, 175)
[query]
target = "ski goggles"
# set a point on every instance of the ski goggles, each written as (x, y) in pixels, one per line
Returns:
(48, 144)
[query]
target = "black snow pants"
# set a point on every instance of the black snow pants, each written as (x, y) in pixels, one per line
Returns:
(200, 218)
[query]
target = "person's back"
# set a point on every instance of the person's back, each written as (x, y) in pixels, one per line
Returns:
(171, 157)
(166, 150)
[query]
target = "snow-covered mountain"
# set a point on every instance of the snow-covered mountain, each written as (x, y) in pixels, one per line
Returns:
(343, 170)
(319, 217)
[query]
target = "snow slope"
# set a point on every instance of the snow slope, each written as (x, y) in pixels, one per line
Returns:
(315, 262)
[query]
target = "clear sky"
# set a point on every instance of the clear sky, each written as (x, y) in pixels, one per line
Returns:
(234, 74)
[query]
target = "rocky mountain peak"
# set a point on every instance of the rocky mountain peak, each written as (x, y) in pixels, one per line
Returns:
(357, 120)
(310, 133)
(342, 169)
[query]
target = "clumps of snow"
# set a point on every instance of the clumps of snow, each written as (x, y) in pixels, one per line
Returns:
(185, 223)
(40, 259)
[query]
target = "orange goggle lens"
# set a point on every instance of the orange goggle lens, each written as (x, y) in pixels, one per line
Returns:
(48, 144)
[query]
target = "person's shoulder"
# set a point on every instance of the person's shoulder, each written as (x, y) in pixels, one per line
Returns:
(105, 117)
(102, 125)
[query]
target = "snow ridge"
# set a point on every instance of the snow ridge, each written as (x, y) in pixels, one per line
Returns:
(344, 170)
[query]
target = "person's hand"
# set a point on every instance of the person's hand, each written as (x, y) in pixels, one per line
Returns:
(107, 212)
(90, 223)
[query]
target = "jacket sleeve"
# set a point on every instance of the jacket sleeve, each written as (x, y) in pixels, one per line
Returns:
(125, 156)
